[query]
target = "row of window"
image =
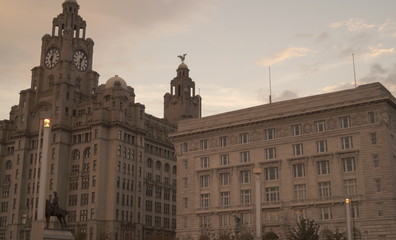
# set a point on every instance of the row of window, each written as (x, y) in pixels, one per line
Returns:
(158, 207)
(158, 192)
(74, 183)
(272, 194)
(158, 222)
(84, 199)
(158, 166)
(269, 134)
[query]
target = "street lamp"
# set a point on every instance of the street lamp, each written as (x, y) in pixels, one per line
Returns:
(257, 172)
(348, 218)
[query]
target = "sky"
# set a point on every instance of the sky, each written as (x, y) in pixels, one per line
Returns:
(231, 47)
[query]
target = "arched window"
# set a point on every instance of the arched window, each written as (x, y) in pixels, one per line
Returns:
(166, 167)
(75, 154)
(87, 152)
(8, 165)
(158, 165)
(149, 163)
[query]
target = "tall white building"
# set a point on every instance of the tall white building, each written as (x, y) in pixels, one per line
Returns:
(313, 152)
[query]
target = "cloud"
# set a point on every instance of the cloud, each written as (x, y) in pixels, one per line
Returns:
(286, 95)
(388, 28)
(353, 25)
(285, 54)
(376, 51)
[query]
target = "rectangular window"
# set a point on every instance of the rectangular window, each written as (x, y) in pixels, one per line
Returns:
(224, 159)
(380, 209)
(323, 167)
(246, 196)
(204, 221)
(73, 200)
(300, 192)
(224, 179)
(325, 213)
(346, 142)
(350, 187)
(378, 185)
(205, 181)
(321, 146)
(320, 126)
(244, 137)
(296, 130)
(224, 220)
(324, 190)
(375, 160)
(204, 144)
(247, 218)
(205, 198)
(373, 138)
(345, 122)
(205, 162)
(298, 149)
(272, 194)
(244, 157)
(371, 117)
(299, 170)
(269, 134)
(349, 164)
(270, 153)
(223, 141)
(271, 173)
(245, 176)
(225, 198)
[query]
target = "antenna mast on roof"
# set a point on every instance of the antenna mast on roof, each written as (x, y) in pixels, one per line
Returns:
(354, 72)
(269, 73)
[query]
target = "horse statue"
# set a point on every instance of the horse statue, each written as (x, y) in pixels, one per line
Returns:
(52, 209)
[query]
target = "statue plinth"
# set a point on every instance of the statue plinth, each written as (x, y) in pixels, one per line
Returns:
(50, 234)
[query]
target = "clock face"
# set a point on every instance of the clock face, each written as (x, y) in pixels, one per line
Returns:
(51, 58)
(80, 60)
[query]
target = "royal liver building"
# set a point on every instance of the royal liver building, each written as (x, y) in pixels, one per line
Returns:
(111, 164)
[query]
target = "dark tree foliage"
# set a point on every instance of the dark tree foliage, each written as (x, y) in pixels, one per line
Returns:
(270, 236)
(306, 230)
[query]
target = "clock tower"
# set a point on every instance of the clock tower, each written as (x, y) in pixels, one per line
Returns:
(64, 76)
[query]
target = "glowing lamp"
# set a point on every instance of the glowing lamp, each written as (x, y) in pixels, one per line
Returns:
(47, 122)
(347, 200)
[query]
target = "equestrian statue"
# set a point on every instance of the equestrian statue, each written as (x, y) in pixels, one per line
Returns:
(52, 209)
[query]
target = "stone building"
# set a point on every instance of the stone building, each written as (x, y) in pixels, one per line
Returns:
(110, 162)
(313, 153)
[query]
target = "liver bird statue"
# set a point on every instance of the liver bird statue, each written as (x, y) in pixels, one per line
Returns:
(182, 57)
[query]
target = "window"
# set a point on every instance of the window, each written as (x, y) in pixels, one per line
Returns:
(298, 170)
(300, 192)
(270, 153)
(373, 138)
(224, 159)
(84, 199)
(158, 207)
(349, 164)
(184, 147)
(205, 200)
(224, 220)
(245, 176)
(83, 215)
(185, 163)
(204, 221)
(224, 179)
(378, 185)
(323, 167)
(296, 130)
(350, 187)
(298, 149)
(325, 213)
(244, 137)
(246, 218)
(244, 157)
(346, 142)
(223, 141)
(371, 117)
(73, 200)
(272, 194)
(345, 122)
(324, 190)
(320, 126)
(225, 198)
(246, 196)
(380, 209)
(185, 202)
(269, 134)
(355, 210)
(204, 144)
(205, 181)
(205, 162)
(321, 146)
(375, 160)
(271, 173)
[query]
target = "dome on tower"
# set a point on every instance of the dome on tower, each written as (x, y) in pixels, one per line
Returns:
(74, 1)
(182, 65)
(116, 82)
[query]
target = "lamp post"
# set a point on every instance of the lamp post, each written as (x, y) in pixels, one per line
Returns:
(348, 218)
(257, 172)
